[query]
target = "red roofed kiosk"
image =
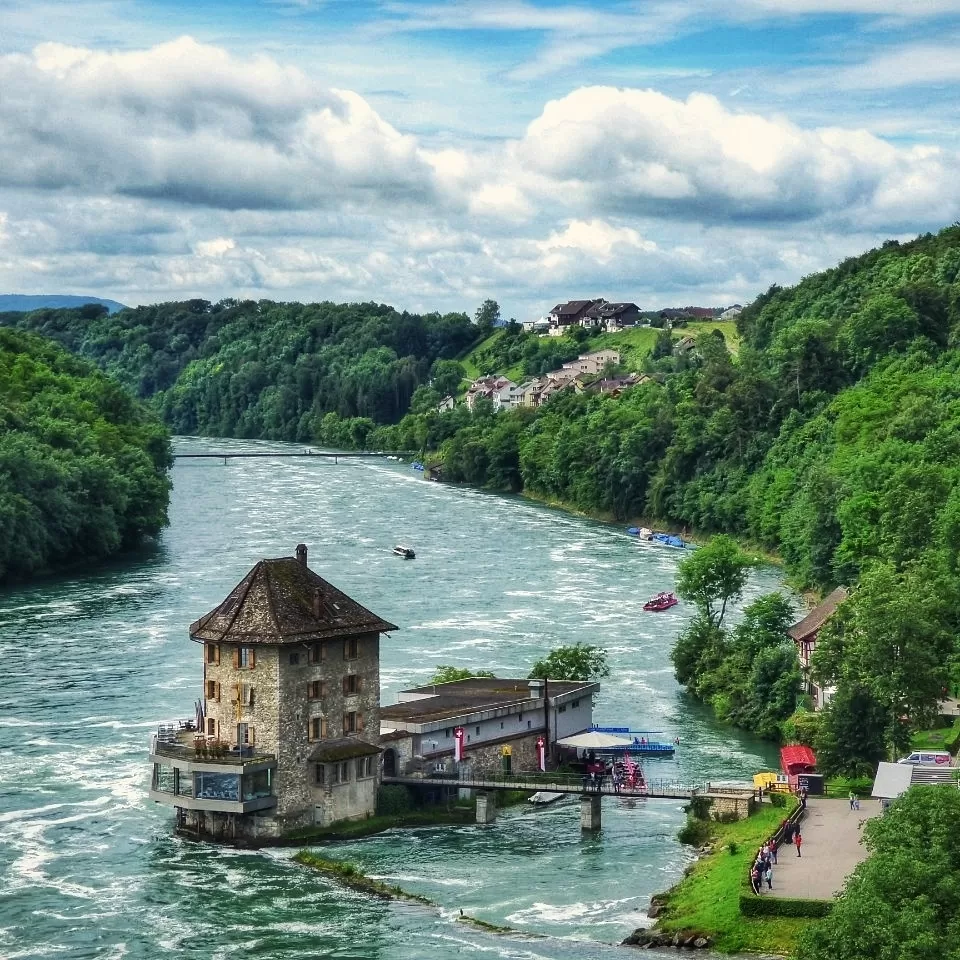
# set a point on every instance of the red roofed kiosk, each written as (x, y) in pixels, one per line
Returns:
(799, 763)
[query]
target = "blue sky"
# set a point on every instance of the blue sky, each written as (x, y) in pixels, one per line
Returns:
(431, 154)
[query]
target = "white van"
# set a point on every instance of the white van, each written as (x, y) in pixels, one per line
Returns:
(938, 758)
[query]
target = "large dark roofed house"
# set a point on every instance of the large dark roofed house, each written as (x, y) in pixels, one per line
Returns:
(613, 316)
(287, 732)
(572, 312)
(804, 634)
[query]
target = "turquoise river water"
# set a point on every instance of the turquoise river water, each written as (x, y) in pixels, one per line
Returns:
(91, 662)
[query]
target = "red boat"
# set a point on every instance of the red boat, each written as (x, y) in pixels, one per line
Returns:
(662, 601)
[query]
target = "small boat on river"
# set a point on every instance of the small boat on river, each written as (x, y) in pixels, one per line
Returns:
(405, 552)
(543, 797)
(669, 540)
(644, 533)
(662, 601)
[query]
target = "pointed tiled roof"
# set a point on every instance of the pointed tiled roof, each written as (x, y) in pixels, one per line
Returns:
(819, 615)
(276, 602)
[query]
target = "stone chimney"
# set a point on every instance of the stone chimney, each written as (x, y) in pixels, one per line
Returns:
(302, 553)
(318, 604)
(536, 689)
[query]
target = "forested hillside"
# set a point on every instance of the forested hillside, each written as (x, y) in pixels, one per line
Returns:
(82, 464)
(263, 369)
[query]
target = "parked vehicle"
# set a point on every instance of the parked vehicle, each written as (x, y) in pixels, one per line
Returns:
(929, 758)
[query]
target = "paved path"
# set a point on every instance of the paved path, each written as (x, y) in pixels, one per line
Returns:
(830, 850)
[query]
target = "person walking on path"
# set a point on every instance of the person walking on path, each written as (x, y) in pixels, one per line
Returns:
(768, 876)
(797, 839)
(755, 880)
(853, 799)
(773, 850)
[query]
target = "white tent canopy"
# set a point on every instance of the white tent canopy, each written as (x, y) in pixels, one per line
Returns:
(592, 740)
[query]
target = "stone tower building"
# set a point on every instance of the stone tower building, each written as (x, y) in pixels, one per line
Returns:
(291, 718)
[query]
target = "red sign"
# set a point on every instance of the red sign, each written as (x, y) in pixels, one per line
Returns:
(458, 744)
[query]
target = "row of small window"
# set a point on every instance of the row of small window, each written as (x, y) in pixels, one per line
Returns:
(245, 658)
(331, 774)
(318, 728)
(242, 693)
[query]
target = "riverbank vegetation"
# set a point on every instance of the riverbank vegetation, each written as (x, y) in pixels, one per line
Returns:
(748, 674)
(707, 900)
(83, 466)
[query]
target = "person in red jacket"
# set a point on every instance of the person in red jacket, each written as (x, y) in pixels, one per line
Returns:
(797, 839)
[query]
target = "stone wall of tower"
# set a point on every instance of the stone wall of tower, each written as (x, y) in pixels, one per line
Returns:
(300, 799)
(226, 707)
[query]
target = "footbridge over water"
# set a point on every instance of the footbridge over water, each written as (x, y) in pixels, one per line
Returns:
(590, 792)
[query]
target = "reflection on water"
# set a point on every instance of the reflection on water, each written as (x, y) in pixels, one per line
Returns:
(93, 662)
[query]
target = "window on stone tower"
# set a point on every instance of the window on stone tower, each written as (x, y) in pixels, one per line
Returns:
(350, 649)
(318, 652)
(213, 653)
(318, 777)
(316, 689)
(211, 727)
(213, 690)
(352, 722)
(364, 767)
(317, 728)
(245, 658)
(246, 695)
(352, 684)
(294, 658)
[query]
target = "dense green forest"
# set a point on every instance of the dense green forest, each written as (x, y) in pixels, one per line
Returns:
(829, 433)
(264, 369)
(82, 464)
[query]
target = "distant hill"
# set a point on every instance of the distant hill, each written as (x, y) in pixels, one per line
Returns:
(23, 303)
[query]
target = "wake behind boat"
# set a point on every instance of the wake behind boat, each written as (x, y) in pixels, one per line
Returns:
(405, 552)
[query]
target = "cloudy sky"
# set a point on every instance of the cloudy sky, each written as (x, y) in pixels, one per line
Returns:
(431, 154)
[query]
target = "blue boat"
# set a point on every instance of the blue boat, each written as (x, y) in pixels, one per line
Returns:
(669, 540)
(641, 743)
(417, 465)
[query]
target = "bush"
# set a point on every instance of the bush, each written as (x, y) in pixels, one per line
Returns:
(393, 799)
(753, 906)
(694, 832)
(801, 727)
(699, 808)
(732, 848)
(777, 799)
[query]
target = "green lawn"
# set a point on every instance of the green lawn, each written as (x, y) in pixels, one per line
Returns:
(942, 738)
(707, 900)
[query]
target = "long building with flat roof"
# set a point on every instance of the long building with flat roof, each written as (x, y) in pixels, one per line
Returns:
(419, 730)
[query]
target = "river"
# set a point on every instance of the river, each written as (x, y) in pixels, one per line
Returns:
(92, 661)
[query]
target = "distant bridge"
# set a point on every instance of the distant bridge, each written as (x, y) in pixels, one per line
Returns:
(300, 453)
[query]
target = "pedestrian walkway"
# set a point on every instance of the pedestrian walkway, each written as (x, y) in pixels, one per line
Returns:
(830, 851)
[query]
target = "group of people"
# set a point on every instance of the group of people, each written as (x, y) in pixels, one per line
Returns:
(762, 869)
(596, 773)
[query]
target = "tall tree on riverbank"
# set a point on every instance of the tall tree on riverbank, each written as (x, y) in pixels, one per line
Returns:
(713, 576)
(894, 641)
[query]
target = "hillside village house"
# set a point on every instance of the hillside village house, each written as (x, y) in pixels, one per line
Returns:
(418, 732)
(611, 316)
(593, 362)
(570, 314)
(287, 733)
(500, 391)
(804, 635)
